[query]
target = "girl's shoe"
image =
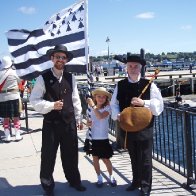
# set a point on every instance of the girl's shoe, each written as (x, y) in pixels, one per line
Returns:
(113, 182)
(99, 184)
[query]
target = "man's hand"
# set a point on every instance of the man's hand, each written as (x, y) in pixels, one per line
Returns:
(137, 101)
(58, 105)
(80, 126)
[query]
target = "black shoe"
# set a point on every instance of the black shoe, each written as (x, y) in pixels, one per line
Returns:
(49, 193)
(132, 187)
(79, 187)
(113, 183)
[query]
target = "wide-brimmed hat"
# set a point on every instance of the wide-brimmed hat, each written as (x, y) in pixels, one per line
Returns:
(137, 59)
(6, 62)
(60, 48)
(131, 58)
(101, 91)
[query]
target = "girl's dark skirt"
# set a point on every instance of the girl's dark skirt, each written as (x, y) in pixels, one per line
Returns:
(9, 109)
(102, 149)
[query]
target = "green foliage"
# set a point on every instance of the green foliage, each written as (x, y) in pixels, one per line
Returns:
(171, 56)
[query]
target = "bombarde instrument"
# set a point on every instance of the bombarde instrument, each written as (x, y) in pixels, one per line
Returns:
(134, 118)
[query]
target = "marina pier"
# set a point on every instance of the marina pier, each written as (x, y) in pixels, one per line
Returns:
(167, 81)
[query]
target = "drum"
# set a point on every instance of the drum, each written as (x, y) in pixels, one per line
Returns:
(134, 119)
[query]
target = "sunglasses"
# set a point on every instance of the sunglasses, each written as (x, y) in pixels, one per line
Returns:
(60, 57)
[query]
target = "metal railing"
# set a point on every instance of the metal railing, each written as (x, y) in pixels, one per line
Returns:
(174, 141)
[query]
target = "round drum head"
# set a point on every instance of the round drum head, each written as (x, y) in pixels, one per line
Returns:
(134, 119)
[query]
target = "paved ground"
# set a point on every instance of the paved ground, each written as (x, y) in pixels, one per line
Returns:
(20, 162)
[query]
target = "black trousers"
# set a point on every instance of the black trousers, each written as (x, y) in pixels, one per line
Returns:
(55, 134)
(141, 159)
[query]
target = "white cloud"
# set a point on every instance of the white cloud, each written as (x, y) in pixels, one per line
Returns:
(186, 27)
(104, 52)
(27, 10)
(146, 15)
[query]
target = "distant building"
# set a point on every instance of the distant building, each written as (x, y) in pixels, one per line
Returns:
(166, 62)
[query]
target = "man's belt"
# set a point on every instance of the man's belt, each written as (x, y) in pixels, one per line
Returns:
(9, 90)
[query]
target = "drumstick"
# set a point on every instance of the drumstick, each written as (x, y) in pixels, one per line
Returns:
(150, 81)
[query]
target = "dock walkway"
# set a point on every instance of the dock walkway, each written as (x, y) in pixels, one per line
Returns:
(20, 165)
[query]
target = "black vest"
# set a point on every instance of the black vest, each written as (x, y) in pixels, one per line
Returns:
(55, 91)
(126, 91)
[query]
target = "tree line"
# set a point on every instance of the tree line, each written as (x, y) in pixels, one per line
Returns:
(170, 56)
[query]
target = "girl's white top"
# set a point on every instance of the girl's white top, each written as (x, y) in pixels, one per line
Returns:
(100, 127)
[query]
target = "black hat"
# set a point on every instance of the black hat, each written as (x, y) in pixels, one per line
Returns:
(135, 58)
(121, 58)
(131, 58)
(60, 48)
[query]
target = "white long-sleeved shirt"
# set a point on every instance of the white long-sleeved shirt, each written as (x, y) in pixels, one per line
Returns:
(43, 106)
(155, 104)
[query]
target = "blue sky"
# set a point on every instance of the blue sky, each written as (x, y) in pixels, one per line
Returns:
(155, 25)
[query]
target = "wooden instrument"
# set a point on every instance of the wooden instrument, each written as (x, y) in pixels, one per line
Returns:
(134, 119)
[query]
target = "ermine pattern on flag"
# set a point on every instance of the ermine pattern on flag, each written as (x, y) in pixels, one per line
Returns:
(28, 48)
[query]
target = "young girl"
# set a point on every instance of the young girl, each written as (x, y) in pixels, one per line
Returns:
(98, 121)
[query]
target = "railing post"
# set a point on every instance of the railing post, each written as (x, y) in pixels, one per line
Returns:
(188, 146)
(142, 55)
(192, 85)
(173, 87)
(26, 114)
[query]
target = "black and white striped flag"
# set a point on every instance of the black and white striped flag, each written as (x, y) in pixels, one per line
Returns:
(67, 27)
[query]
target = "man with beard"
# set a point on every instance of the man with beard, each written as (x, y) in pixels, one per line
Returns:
(55, 95)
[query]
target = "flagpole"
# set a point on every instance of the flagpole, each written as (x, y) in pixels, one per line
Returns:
(88, 72)
(86, 35)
